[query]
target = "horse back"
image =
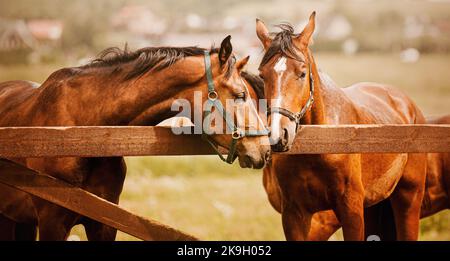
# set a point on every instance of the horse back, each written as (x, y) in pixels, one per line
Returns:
(15, 95)
(383, 104)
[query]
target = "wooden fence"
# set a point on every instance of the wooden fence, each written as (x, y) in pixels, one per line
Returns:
(16, 142)
(19, 142)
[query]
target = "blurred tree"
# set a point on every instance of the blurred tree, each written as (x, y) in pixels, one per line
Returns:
(84, 20)
(376, 25)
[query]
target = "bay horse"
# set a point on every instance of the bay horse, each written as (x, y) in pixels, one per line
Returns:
(300, 185)
(436, 199)
(119, 88)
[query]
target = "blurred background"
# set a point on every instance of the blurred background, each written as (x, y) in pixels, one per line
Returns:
(405, 43)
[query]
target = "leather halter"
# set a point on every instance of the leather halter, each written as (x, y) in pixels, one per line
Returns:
(296, 117)
(213, 101)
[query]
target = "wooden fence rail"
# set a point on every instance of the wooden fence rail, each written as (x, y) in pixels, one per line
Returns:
(85, 203)
(16, 142)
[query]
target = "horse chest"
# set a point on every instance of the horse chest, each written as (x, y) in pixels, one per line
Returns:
(313, 189)
(303, 183)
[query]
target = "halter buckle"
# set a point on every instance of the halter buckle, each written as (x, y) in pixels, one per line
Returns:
(212, 95)
(236, 135)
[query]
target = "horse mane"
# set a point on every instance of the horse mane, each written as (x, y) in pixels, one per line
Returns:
(282, 44)
(144, 59)
(256, 82)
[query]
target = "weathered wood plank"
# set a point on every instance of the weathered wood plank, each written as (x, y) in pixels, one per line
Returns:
(372, 139)
(139, 141)
(85, 203)
(97, 141)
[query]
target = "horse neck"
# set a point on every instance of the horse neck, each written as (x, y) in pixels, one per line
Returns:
(316, 115)
(331, 104)
(179, 82)
(145, 100)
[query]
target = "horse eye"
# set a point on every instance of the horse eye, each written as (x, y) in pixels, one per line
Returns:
(302, 75)
(241, 96)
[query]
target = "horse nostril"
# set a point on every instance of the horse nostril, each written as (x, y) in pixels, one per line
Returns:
(285, 137)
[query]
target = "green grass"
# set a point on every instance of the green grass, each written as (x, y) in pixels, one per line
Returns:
(214, 201)
(221, 202)
(202, 196)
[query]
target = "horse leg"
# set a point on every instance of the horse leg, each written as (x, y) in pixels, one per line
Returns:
(54, 222)
(350, 210)
(296, 223)
(379, 221)
(106, 181)
(352, 220)
(324, 224)
(407, 197)
(96, 231)
(56, 228)
(7, 228)
(25, 232)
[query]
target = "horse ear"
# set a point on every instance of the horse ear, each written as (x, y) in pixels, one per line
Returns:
(305, 38)
(263, 33)
(241, 63)
(225, 50)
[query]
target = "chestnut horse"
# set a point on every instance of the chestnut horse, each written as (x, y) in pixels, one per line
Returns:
(119, 88)
(300, 185)
(437, 198)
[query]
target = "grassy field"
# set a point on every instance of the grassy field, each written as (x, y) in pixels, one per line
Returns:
(214, 201)
(427, 82)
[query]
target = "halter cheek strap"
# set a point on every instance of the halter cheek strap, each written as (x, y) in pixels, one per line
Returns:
(296, 117)
(213, 101)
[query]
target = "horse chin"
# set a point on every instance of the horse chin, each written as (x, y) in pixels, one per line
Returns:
(277, 145)
(247, 161)
(280, 147)
(285, 138)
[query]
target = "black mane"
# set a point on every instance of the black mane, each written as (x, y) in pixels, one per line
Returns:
(256, 82)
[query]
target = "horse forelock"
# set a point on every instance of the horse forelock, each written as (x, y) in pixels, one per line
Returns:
(282, 44)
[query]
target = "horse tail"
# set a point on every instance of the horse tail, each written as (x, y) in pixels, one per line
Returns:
(380, 221)
(389, 231)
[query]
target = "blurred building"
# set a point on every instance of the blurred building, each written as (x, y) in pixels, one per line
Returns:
(139, 20)
(46, 31)
(18, 34)
(336, 27)
(15, 35)
(28, 41)
(138, 25)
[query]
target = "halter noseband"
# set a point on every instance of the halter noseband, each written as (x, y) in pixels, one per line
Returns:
(213, 101)
(296, 117)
